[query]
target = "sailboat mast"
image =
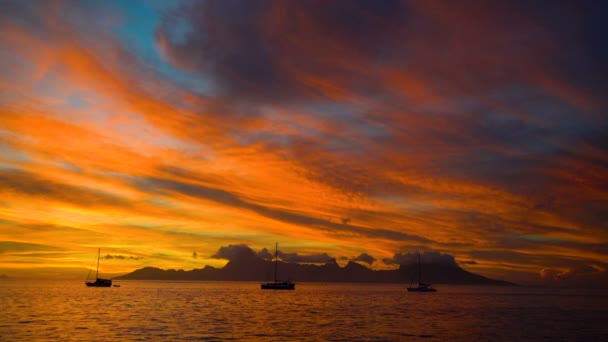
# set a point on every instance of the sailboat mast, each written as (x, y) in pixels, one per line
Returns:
(97, 272)
(419, 269)
(276, 260)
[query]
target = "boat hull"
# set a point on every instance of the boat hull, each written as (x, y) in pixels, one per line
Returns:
(421, 289)
(278, 286)
(99, 283)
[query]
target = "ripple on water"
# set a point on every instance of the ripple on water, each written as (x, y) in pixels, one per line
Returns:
(236, 311)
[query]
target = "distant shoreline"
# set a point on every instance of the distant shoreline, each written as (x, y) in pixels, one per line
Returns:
(256, 270)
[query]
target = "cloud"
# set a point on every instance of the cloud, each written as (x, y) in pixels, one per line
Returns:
(319, 258)
(242, 251)
(234, 252)
(278, 51)
(468, 262)
(273, 52)
(170, 186)
(550, 274)
(30, 184)
(574, 274)
(366, 258)
(122, 257)
(300, 118)
(194, 255)
(20, 247)
(265, 254)
(428, 257)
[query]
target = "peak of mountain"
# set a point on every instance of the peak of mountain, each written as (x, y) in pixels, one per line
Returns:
(355, 266)
(256, 269)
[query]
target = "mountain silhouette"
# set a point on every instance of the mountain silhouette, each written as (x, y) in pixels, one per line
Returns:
(257, 269)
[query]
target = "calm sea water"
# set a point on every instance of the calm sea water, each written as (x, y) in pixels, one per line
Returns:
(217, 311)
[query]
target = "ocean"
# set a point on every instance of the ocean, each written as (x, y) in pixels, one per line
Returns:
(223, 311)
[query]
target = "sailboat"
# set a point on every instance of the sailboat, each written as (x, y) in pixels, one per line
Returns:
(278, 285)
(422, 287)
(99, 282)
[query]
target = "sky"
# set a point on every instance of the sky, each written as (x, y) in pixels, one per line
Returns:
(164, 132)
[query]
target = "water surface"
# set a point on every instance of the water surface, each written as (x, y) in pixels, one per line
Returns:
(218, 311)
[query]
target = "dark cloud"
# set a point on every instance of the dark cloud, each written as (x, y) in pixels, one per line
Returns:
(505, 111)
(275, 51)
(19, 247)
(265, 254)
(550, 274)
(429, 257)
(30, 184)
(266, 49)
(505, 247)
(570, 267)
(580, 271)
(468, 262)
(28, 15)
(512, 256)
(586, 275)
(121, 257)
(234, 252)
(320, 258)
(166, 186)
(242, 251)
(366, 258)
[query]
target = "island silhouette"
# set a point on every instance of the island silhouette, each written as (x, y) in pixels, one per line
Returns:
(250, 267)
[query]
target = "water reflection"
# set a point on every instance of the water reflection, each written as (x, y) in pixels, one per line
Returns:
(192, 310)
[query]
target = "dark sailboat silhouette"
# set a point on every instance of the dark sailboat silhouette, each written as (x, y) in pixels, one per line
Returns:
(99, 282)
(278, 285)
(422, 287)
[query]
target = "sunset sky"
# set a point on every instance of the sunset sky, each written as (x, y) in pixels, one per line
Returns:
(161, 131)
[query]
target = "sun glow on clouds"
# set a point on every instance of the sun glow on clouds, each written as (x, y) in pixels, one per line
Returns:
(344, 128)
